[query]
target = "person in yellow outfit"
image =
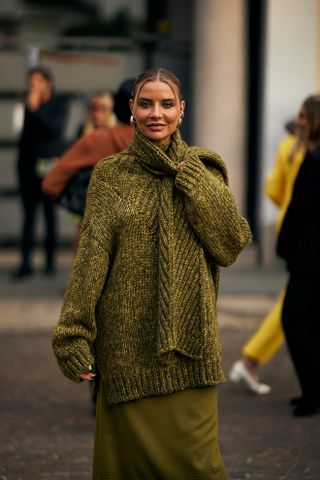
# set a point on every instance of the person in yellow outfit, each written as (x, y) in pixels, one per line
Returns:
(265, 342)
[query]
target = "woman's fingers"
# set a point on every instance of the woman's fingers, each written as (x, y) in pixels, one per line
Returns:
(87, 376)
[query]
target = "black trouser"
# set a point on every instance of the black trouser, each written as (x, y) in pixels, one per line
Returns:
(32, 197)
(301, 324)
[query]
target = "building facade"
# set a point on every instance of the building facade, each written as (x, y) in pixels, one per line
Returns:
(245, 66)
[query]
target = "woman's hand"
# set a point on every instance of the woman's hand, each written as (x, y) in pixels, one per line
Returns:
(33, 100)
(89, 375)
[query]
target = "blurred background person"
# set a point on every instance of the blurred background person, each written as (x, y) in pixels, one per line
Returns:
(100, 116)
(40, 143)
(298, 244)
(100, 113)
(92, 147)
(268, 338)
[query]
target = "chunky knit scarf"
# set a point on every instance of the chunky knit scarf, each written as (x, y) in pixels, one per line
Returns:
(182, 316)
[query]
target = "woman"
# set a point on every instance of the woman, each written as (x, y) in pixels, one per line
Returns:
(100, 113)
(298, 244)
(141, 302)
(90, 148)
(40, 143)
(268, 338)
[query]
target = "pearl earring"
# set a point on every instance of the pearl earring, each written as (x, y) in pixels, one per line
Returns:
(132, 120)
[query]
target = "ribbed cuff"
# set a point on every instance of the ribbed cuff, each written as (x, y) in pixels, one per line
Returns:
(188, 176)
(73, 365)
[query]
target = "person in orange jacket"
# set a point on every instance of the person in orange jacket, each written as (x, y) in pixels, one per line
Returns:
(92, 147)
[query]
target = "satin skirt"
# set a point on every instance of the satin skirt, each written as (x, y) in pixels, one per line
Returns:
(170, 437)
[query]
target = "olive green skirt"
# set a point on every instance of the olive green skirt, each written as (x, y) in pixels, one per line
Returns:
(170, 437)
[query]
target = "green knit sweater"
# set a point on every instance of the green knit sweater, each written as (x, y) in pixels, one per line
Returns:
(141, 299)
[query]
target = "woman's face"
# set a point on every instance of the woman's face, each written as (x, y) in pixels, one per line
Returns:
(38, 83)
(99, 112)
(302, 125)
(157, 110)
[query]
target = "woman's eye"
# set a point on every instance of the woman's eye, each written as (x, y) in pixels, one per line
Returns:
(144, 104)
(168, 104)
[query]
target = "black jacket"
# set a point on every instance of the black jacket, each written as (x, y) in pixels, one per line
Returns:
(299, 237)
(42, 134)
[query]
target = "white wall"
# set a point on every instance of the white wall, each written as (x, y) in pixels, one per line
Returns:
(219, 85)
(290, 76)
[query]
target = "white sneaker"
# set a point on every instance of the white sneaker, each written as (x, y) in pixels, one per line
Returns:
(240, 372)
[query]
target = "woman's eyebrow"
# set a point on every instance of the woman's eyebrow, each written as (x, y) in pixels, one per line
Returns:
(162, 99)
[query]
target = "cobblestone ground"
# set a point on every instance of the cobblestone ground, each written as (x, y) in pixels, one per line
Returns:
(46, 421)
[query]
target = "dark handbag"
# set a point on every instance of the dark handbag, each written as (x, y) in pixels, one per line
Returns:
(74, 196)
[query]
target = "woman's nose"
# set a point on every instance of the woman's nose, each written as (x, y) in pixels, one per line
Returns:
(156, 112)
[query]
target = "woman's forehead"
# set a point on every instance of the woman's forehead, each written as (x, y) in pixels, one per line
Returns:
(151, 86)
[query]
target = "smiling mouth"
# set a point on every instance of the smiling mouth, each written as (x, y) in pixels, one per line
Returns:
(156, 126)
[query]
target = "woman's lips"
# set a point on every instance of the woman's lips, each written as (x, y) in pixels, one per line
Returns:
(156, 126)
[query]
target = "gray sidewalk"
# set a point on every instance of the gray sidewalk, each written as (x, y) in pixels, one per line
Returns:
(46, 421)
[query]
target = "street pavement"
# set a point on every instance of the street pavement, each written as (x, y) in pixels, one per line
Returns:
(47, 423)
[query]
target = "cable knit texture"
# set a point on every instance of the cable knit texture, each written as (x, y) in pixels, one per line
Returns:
(141, 299)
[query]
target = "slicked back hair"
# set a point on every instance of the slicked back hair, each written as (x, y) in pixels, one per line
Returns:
(157, 74)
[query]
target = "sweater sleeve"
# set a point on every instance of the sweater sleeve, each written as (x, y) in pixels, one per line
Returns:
(212, 211)
(75, 333)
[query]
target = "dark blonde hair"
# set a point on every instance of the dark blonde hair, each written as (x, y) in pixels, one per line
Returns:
(311, 105)
(157, 74)
(106, 99)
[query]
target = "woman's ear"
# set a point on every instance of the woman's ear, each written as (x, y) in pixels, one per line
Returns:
(183, 106)
(131, 105)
